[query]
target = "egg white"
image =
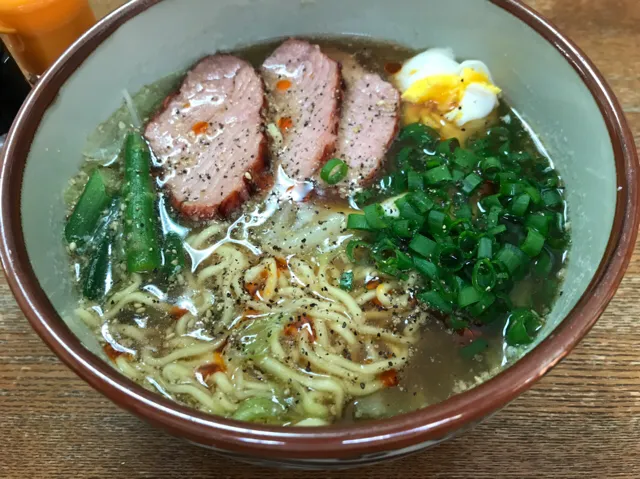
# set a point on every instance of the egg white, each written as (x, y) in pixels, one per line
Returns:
(477, 102)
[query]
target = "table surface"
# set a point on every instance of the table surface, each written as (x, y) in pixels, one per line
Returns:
(581, 420)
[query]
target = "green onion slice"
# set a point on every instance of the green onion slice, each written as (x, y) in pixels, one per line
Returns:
(533, 243)
(435, 300)
(346, 281)
(438, 175)
(511, 257)
(520, 204)
(426, 268)
(334, 171)
(551, 198)
(484, 276)
(450, 258)
(522, 327)
(358, 222)
(352, 247)
(471, 182)
(468, 296)
(437, 222)
(491, 166)
(415, 181)
(538, 222)
(468, 243)
(485, 248)
(422, 245)
(375, 216)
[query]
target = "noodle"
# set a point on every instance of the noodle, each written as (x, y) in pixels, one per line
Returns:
(312, 339)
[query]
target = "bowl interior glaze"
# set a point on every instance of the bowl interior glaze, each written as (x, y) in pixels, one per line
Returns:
(170, 35)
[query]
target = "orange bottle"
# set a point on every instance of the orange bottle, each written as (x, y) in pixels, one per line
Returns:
(36, 32)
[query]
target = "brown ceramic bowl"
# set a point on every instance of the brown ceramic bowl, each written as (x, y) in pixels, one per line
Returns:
(543, 74)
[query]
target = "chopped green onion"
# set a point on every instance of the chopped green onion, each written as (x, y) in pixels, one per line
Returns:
(447, 147)
(520, 204)
(498, 133)
(538, 222)
(533, 243)
(408, 212)
(472, 350)
(435, 300)
(484, 276)
(485, 248)
(558, 226)
(438, 175)
(362, 197)
(351, 249)
(346, 281)
(465, 159)
(522, 327)
(389, 259)
(459, 226)
(420, 201)
(403, 157)
(358, 222)
(511, 257)
(422, 245)
(497, 230)
(520, 156)
(421, 134)
(415, 181)
(490, 166)
(426, 268)
(334, 171)
(436, 222)
(457, 175)
(492, 201)
(543, 265)
(450, 258)
(464, 212)
(551, 198)
(468, 243)
(534, 193)
(481, 306)
(471, 182)
(551, 181)
(404, 262)
(395, 183)
(375, 216)
(468, 296)
(432, 162)
(494, 216)
(507, 177)
(511, 189)
(402, 228)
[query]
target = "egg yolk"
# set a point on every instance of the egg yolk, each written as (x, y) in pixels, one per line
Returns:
(446, 91)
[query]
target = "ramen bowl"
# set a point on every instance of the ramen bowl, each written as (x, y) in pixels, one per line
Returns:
(543, 75)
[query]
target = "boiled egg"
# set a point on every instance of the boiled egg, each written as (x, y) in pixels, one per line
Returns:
(459, 93)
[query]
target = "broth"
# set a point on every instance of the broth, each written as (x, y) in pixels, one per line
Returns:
(271, 320)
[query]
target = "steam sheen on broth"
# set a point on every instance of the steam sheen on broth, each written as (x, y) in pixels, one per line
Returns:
(292, 310)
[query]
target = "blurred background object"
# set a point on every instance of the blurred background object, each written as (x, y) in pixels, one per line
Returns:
(13, 90)
(36, 32)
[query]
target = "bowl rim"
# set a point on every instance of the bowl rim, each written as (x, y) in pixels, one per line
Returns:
(403, 432)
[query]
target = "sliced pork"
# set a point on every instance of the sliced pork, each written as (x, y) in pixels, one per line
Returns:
(303, 91)
(209, 137)
(368, 122)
